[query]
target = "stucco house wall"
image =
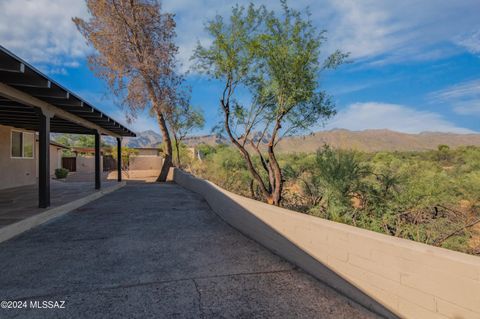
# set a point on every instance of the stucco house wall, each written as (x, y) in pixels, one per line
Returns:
(15, 172)
(55, 158)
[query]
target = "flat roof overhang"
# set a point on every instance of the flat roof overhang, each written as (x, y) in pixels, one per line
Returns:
(25, 91)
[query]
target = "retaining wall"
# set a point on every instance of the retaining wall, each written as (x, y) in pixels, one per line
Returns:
(390, 276)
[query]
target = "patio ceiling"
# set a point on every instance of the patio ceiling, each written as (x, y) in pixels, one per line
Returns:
(22, 77)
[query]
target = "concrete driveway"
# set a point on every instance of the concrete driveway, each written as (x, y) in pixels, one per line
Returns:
(155, 251)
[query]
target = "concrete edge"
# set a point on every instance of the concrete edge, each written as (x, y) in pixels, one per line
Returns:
(17, 228)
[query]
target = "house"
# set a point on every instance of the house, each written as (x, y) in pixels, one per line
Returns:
(33, 104)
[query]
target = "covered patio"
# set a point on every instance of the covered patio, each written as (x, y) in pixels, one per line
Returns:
(19, 203)
(32, 102)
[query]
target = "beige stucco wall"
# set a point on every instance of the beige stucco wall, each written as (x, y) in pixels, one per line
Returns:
(147, 151)
(14, 171)
(145, 162)
(141, 167)
(86, 164)
(55, 158)
(389, 275)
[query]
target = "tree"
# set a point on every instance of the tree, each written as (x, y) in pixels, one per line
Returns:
(276, 58)
(78, 140)
(182, 120)
(135, 54)
(127, 152)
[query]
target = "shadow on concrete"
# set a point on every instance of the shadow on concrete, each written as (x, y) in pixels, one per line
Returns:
(251, 226)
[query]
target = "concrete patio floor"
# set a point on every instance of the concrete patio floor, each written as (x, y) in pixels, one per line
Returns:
(22, 202)
(157, 251)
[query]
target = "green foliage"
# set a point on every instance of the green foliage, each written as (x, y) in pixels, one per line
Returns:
(205, 150)
(61, 173)
(276, 58)
(181, 121)
(224, 166)
(340, 173)
(413, 195)
(76, 140)
(127, 152)
(270, 63)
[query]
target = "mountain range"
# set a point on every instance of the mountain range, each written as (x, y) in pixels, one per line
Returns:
(367, 140)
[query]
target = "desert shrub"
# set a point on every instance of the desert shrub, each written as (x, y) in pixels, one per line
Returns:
(428, 196)
(225, 167)
(61, 173)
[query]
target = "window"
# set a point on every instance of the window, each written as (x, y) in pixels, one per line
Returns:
(22, 144)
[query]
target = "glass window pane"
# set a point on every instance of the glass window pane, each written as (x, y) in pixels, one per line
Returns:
(16, 144)
(28, 145)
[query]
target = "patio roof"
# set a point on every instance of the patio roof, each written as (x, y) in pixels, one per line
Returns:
(31, 100)
(20, 77)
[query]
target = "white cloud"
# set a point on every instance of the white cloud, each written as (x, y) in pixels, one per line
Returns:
(464, 90)
(407, 30)
(42, 32)
(471, 107)
(374, 31)
(463, 97)
(374, 115)
(470, 41)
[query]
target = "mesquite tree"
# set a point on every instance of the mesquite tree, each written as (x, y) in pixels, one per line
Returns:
(276, 58)
(135, 54)
(183, 119)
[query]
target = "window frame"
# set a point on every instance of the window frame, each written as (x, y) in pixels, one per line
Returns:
(24, 134)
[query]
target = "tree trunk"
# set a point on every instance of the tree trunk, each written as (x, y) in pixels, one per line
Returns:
(266, 192)
(178, 151)
(252, 190)
(167, 163)
(275, 167)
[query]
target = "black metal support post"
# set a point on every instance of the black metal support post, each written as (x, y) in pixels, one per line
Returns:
(97, 161)
(44, 162)
(119, 159)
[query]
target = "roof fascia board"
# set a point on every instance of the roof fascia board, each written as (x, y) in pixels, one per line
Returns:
(47, 108)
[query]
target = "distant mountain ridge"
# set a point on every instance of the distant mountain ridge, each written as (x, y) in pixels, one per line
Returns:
(367, 140)
(152, 139)
(143, 139)
(376, 140)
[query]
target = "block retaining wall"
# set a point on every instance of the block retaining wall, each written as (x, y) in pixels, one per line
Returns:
(391, 276)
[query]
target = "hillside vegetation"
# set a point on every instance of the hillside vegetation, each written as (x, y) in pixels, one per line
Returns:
(431, 197)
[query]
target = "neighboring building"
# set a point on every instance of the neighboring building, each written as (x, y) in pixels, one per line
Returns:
(56, 154)
(31, 102)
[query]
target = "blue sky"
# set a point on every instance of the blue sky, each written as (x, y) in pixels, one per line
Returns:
(416, 64)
